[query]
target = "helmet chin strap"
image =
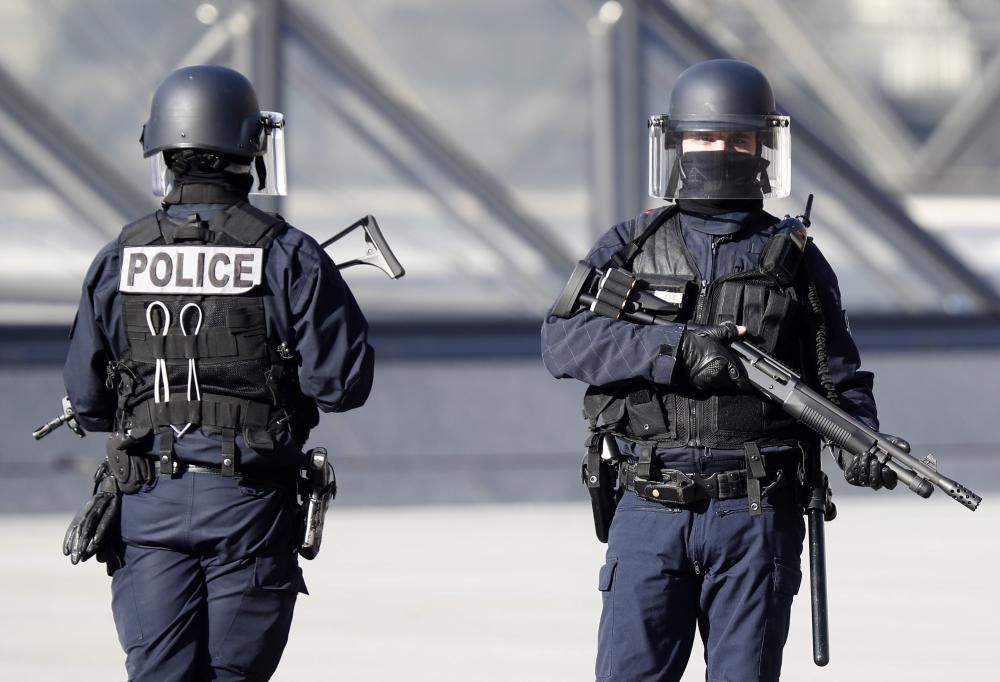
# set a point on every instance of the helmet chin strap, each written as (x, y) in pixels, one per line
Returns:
(261, 168)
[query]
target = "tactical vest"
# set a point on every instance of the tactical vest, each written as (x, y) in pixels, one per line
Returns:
(645, 412)
(198, 354)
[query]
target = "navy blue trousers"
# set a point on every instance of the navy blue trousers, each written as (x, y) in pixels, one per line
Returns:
(210, 578)
(710, 565)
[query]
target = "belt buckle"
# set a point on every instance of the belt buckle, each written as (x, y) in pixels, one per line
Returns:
(676, 488)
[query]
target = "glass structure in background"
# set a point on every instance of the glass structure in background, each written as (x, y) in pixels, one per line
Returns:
(476, 138)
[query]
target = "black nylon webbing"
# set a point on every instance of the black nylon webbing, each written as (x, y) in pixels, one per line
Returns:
(228, 452)
(144, 231)
(624, 257)
(166, 451)
(777, 308)
(215, 412)
(755, 473)
(730, 304)
(211, 344)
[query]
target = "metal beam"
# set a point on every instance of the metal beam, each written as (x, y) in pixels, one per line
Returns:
(219, 38)
(415, 127)
(617, 121)
(883, 141)
(839, 178)
(81, 176)
(267, 72)
(972, 114)
(523, 282)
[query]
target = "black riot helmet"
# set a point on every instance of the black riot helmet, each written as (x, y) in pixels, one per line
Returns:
(215, 109)
(722, 138)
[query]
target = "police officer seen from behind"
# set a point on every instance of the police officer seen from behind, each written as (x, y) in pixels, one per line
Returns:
(717, 543)
(208, 337)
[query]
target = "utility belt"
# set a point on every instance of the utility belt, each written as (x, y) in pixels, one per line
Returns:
(187, 467)
(607, 476)
(255, 421)
(671, 486)
(678, 488)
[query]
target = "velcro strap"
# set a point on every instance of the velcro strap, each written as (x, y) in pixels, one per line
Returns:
(166, 454)
(228, 452)
(211, 343)
(730, 303)
(192, 233)
(756, 472)
(157, 347)
(645, 465)
(177, 412)
(755, 460)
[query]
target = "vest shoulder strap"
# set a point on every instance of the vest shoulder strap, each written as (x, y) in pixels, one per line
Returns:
(624, 257)
(144, 231)
(246, 225)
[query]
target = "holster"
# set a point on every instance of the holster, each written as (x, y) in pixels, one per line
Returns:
(600, 475)
(318, 489)
(130, 471)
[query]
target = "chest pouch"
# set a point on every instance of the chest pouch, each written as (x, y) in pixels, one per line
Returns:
(671, 297)
(782, 255)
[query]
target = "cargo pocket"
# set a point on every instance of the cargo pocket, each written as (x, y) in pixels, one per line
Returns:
(605, 632)
(645, 415)
(259, 627)
(786, 579)
(125, 608)
(279, 573)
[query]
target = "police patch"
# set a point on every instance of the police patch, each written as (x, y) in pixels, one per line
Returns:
(190, 269)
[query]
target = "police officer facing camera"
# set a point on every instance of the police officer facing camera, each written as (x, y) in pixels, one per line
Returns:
(709, 527)
(209, 336)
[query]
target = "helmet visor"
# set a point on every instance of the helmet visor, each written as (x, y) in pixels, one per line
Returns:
(161, 177)
(269, 167)
(734, 157)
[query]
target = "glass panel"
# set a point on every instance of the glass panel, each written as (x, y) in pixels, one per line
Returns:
(510, 105)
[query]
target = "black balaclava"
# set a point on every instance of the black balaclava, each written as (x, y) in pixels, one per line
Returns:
(200, 167)
(722, 173)
(735, 173)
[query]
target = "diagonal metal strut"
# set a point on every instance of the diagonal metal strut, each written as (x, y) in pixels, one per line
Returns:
(418, 130)
(78, 173)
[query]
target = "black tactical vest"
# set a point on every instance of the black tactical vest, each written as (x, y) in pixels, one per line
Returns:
(212, 274)
(646, 412)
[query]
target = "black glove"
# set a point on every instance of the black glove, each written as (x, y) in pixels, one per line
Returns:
(707, 362)
(94, 529)
(866, 471)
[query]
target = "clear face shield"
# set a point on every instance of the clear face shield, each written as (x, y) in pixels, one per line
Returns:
(269, 171)
(268, 167)
(738, 157)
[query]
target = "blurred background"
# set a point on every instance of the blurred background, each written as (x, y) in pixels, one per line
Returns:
(494, 141)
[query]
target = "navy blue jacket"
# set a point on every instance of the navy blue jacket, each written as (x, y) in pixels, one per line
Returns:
(598, 350)
(307, 304)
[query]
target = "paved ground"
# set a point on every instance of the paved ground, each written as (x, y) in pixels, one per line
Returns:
(508, 592)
